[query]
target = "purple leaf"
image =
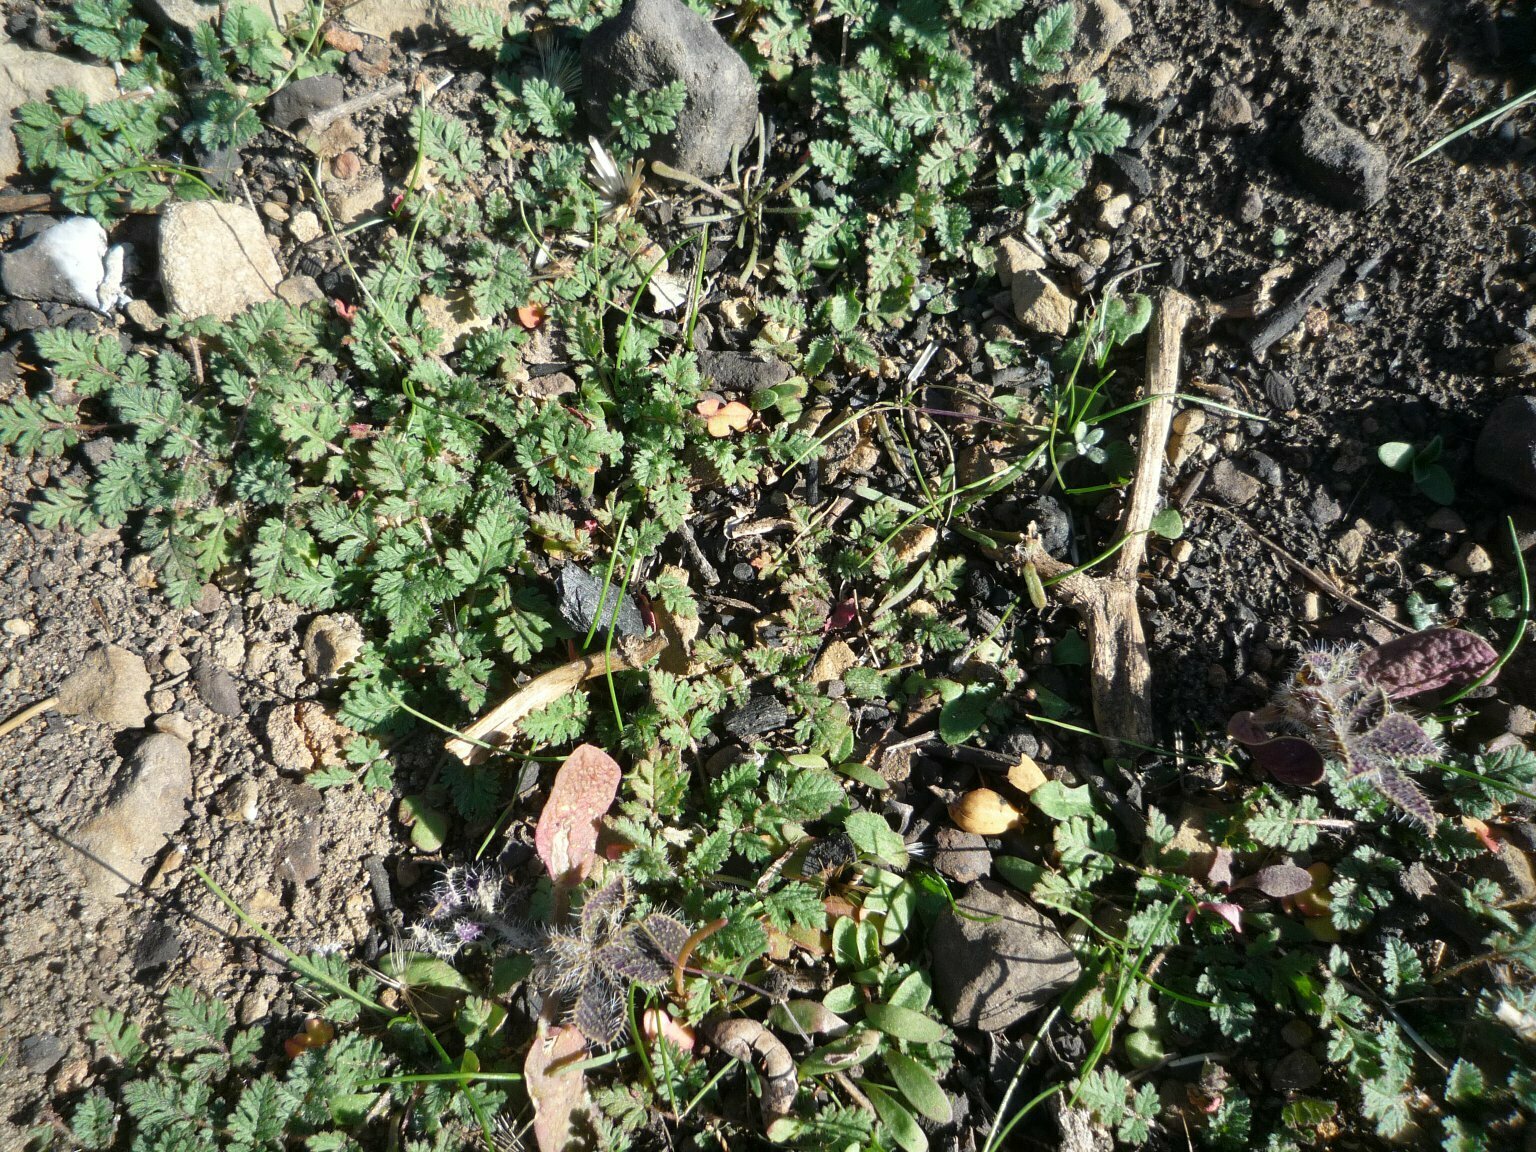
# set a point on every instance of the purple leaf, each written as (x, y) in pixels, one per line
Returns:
(1427, 660)
(1289, 759)
(1397, 737)
(1406, 795)
(1278, 880)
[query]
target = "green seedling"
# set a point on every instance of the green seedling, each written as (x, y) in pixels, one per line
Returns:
(1422, 463)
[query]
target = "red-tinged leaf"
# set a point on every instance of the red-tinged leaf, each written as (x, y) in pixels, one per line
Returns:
(583, 791)
(558, 1092)
(1484, 834)
(843, 615)
(1231, 913)
(1427, 660)
(1278, 880)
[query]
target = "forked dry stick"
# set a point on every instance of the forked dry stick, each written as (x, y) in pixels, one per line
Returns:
(498, 725)
(1122, 675)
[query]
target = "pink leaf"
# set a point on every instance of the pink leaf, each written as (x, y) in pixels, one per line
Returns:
(558, 1092)
(1231, 913)
(1289, 759)
(583, 791)
(1424, 661)
(843, 615)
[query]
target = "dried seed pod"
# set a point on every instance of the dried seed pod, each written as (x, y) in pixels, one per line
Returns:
(751, 1043)
(1026, 775)
(985, 813)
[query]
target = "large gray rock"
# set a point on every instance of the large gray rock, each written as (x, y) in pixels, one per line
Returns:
(1506, 449)
(1001, 959)
(303, 98)
(651, 43)
(389, 18)
(134, 827)
(27, 76)
(1336, 161)
(215, 259)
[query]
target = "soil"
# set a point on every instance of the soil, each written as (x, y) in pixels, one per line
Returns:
(1438, 277)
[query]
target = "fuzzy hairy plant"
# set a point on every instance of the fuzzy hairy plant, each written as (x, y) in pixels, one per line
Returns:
(1340, 705)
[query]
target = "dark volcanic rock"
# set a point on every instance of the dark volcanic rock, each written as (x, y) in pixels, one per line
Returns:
(652, 43)
(1506, 449)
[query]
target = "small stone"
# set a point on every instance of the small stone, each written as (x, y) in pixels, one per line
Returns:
(1229, 109)
(41, 1051)
(217, 687)
(174, 724)
(157, 947)
(1350, 547)
(1184, 437)
(1515, 360)
(1143, 86)
(1297, 1033)
(1445, 520)
(215, 259)
(1040, 305)
(1472, 560)
(738, 312)
(1182, 551)
(1336, 161)
(330, 644)
(298, 859)
(757, 716)
(1095, 252)
(301, 99)
(387, 19)
(351, 200)
(834, 660)
(1233, 485)
(147, 319)
(135, 826)
(305, 226)
(1015, 256)
(1520, 721)
(1112, 211)
(237, 800)
(1296, 1071)
(111, 685)
(18, 628)
(1506, 447)
(740, 375)
(1250, 205)
(274, 211)
(962, 856)
(914, 542)
(346, 166)
(1311, 607)
(651, 43)
(1102, 25)
(1001, 959)
(457, 318)
(297, 291)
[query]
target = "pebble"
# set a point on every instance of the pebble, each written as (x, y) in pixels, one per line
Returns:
(1250, 205)
(1296, 1071)
(1233, 485)
(346, 166)
(70, 263)
(301, 99)
(1140, 85)
(962, 856)
(136, 825)
(296, 291)
(110, 685)
(1015, 256)
(1472, 560)
(1229, 110)
(274, 211)
(1515, 360)
(304, 226)
(331, 642)
(1445, 520)
(1040, 305)
(19, 628)
(350, 200)
(1113, 211)
(238, 800)
(1095, 252)
(1102, 26)
(217, 687)
(1184, 437)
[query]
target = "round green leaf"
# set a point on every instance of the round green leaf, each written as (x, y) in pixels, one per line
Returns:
(1167, 523)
